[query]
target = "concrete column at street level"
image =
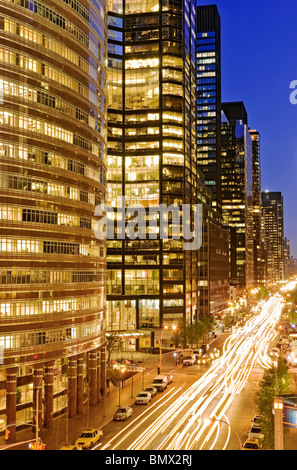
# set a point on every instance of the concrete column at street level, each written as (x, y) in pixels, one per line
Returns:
(72, 387)
(37, 396)
(11, 386)
(98, 376)
(103, 371)
(48, 394)
(80, 384)
(92, 377)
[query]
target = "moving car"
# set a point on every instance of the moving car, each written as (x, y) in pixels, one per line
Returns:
(169, 379)
(88, 438)
(123, 413)
(151, 390)
(205, 359)
(160, 382)
(189, 360)
(252, 444)
(143, 398)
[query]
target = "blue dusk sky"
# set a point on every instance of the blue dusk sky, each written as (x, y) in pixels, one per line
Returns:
(259, 61)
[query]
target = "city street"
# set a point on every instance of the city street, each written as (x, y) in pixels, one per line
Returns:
(177, 418)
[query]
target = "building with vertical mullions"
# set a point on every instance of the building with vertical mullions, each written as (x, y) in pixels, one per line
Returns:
(273, 216)
(208, 55)
(52, 159)
(237, 188)
(151, 161)
(259, 245)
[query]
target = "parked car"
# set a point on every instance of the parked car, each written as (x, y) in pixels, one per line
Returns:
(151, 390)
(88, 438)
(252, 444)
(257, 420)
(189, 360)
(255, 432)
(123, 413)
(160, 382)
(169, 379)
(143, 398)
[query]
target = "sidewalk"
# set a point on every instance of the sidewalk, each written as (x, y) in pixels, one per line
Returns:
(95, 416)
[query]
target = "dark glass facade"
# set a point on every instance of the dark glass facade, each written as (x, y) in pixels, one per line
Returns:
(151, 161)
(208, 54)
(237, 188)
(259, 247)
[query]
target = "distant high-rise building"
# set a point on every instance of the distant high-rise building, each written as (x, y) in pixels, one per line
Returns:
(259, 249)
(237, 188)
(152, 281)
(208, 54)
(52, 159)
(273, 216)
(213, 258)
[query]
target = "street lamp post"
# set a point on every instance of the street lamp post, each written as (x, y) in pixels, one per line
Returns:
(213, 420)
(120, 381)
(161, 339)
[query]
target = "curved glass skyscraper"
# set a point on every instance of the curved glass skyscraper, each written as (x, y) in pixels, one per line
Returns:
(52, 160)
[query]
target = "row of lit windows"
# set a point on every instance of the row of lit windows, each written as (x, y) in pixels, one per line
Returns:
(41, 307)
(47, 247)
(24, 183)
(31, 34)
(44, 127)
(26, 92)
(33, 154)
(39, 216)
(21, 340)
(50, 277)
(143, 117)
(41, 126)
(29, 63)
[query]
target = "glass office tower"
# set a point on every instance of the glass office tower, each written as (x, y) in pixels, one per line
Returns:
(259, 249)
(151, 161)
(237, 188)
(208, 52)
(273, 216)
(52, 157)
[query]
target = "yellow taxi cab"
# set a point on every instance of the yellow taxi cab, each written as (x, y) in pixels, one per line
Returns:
(252, 444)
(88, 438)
